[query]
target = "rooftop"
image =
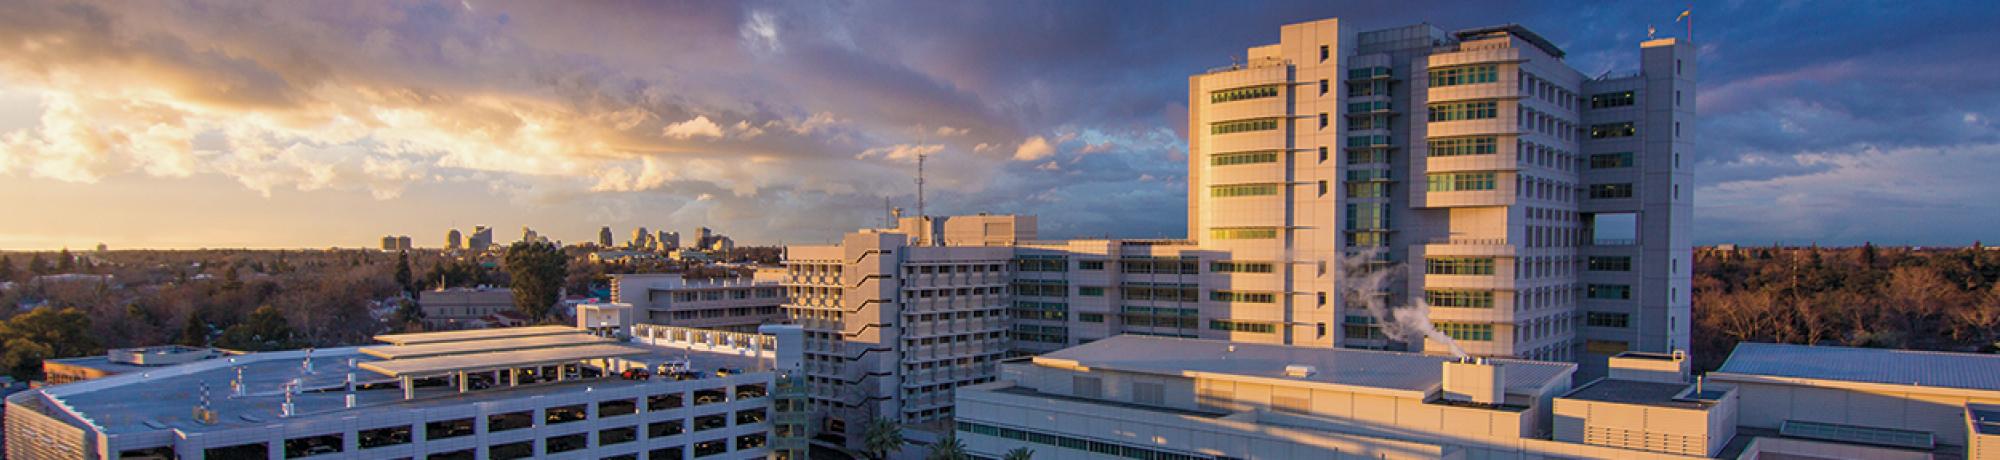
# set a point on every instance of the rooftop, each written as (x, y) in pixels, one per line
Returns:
(477, 346)
(1866, 365)
(164, 398)
(473, 334)
(1638, 392)
(1397, 371)
(1512, 29)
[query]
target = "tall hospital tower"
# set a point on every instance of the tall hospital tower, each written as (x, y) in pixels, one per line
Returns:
(1538, 211)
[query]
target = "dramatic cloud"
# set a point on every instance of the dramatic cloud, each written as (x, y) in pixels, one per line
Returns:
(795, 121)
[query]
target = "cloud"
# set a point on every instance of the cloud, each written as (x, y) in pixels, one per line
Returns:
(947, 131)
(697, 127)
(1035, 148)
(760, 32)
(904, 153)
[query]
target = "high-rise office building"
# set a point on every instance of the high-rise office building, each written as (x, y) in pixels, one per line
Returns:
(482, 238)
(604, 237)
(453, 241)
(528, 235)
(1535, 210)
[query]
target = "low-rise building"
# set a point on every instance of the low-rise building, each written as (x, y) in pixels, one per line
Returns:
(532, 392)
(458, 308)
(735, 304)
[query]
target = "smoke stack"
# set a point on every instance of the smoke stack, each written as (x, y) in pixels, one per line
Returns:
(1475, 381)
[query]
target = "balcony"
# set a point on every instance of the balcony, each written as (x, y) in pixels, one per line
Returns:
(1468, 246)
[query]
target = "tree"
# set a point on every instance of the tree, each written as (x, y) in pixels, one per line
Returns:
(37, 266)
(1868, 255)
(948, 448)
(537, 271)
(881, 438)
(65, 263)
(265, 330)
(44, 333)
(6, 269)
(403, 276)
(1019, 453)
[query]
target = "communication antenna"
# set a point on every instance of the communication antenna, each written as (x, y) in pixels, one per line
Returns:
(920, 183)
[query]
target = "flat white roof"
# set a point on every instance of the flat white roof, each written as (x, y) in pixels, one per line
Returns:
(438, 365)
(1866, 365)
(473, 334)
(1388, 370)
(422, 350)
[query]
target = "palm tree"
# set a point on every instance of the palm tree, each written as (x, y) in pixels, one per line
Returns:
(948, 448)
(882, 437)
(1019, 453)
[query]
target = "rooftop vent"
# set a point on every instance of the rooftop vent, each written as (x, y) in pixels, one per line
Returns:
(1475, 380)
(1300, 371)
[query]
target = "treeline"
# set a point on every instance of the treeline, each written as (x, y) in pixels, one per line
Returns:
(1868, 296)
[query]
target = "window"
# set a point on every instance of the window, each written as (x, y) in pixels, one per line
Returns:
(710, 422)
(461, 454)
(1367, 174)
(1368, 239)
(611, 436)
(750, 416)
(669, 453)
(314, 445)
(565, 443)
(1610, 291)
(1090, 317)
(1159, 291)
(1229, 191)
(1367, 189)
(1086, 387)
(1378, 140)
(1325, 53)
(511, 451)
(1222, 266)
(1607, 319)
(1242, 326)
(447, 429)
(1475, 332)
(1458, 266)
(1367, 72)
(1467, 110)
(1090, 265)
(665, 428)
(1464, 75)
(1148, 393)
(1370, 106)
(1611, 160)
(663, 401)
(385, 436)
(1244, 297)
(1243, 158)
(750, 391)
(1322, 120)
(1460, 181)
(258, 450)
(1090, 291)
(709, 396)
(564, 414)
(750, 441)
(1456, 298)
(1041, 288)
(1042, 263)
(617, 407)
(1460, 146)
(1610, 130)
(1322, 87)
(509, 421)
(1607, 100)
(1247, 233)
(1243, 126)
(1238, 94)
(1605, 347)
(1610, 263)
(1322, 154)
(1367, 216)
(1610, 191)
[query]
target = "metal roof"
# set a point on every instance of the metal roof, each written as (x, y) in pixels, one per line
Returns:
(473, 334)
(423, 350)
(437, 365)
(1388, 370)
(1516, 30)
(1866, 365)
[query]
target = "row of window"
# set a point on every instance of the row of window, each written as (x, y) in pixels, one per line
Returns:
(1464, 75)
(1042, 288)
(1239, 94)
(1162, 291)
(1464, 110)
(1366, 107)
(1611, 130)
(1041, 334)
(1458, 266)
(1608, 100)
(1607, 319)
(1370, 141)
(1160, 266)
(1610, 191)
(1476, 332)
(1609, 291)
(1221, 266)
(1243, 233)
(1242, 126)
(1230, 191)
(1367, 189)
(1460, 146)
(1242, 297)
(1460, 181)
(1042, 263)
(1367, 72)
(1242, 326)
(1243, 158)
(1079, 444)
(1611, 160)
(1459, 298)
(1367, 216)
(310, 446)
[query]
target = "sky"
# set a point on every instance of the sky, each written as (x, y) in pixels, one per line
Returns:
(187, 124)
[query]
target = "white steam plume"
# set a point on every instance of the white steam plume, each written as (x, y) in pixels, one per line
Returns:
(1404, 323)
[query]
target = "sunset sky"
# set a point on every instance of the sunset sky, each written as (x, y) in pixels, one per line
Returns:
(169, 124)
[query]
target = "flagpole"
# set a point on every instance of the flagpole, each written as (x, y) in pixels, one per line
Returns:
(1690, 11)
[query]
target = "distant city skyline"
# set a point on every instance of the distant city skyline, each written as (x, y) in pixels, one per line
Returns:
(160, 125)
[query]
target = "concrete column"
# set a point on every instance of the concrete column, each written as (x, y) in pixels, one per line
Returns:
(409, 388)
(514, 377)
(464, 384)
